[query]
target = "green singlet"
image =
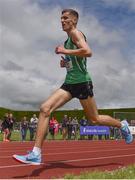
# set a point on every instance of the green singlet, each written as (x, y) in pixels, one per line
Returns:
(75, 65)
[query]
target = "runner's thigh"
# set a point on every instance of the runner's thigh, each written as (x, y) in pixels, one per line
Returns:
(57, 99)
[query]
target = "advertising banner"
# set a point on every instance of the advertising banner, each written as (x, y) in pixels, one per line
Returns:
(95, 130)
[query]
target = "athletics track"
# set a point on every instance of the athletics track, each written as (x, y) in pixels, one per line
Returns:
(64, 157)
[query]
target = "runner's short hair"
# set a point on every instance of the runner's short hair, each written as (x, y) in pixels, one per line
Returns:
(71, 11)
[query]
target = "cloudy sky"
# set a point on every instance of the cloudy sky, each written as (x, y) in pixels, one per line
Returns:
(29, 68)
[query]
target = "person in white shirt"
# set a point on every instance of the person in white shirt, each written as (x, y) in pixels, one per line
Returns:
(32, 126)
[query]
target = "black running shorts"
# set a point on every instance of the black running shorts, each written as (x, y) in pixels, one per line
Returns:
(80, 90)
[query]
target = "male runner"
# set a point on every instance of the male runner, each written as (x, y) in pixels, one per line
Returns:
(78, 84)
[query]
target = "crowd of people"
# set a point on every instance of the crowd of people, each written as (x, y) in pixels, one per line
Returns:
(68, 128)
(8, 124)
(30, 125)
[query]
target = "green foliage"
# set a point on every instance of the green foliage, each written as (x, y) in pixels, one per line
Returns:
(59, 114)
(17, 114)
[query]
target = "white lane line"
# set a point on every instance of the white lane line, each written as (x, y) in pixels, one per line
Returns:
(14, 166)
(71, 160)
(90, 159)
(48, 148)
(78, 152)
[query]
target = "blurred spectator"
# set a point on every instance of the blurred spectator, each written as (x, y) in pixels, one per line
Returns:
(117, 133)
(11, 123)
(53, 127)
(90, 136)
(0, 126)
(107, 136)
(5, 128)
(33, 126)
(75, 127)
(69, 127)
(60, 128)
(56, 127)
(23, 128)
(83, 122)
(112, 133)
(64, 127)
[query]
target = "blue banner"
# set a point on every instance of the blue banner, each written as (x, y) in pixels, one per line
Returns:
(95, 130)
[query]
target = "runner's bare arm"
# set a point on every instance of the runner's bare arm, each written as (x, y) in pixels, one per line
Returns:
(83, 48)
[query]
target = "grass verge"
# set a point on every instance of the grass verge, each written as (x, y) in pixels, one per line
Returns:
(123, 173)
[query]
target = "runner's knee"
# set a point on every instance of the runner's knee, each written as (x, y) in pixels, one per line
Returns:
(45, 109)
(95, 121)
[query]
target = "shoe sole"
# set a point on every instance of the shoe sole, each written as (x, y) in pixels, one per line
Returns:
(26, 162)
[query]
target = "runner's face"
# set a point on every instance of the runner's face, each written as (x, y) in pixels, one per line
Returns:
(67, 21)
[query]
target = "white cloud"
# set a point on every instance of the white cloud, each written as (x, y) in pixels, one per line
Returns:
(112, 71)
(99, 34)
(26, 38)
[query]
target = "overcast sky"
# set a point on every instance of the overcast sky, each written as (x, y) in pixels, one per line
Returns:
(29, 69)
